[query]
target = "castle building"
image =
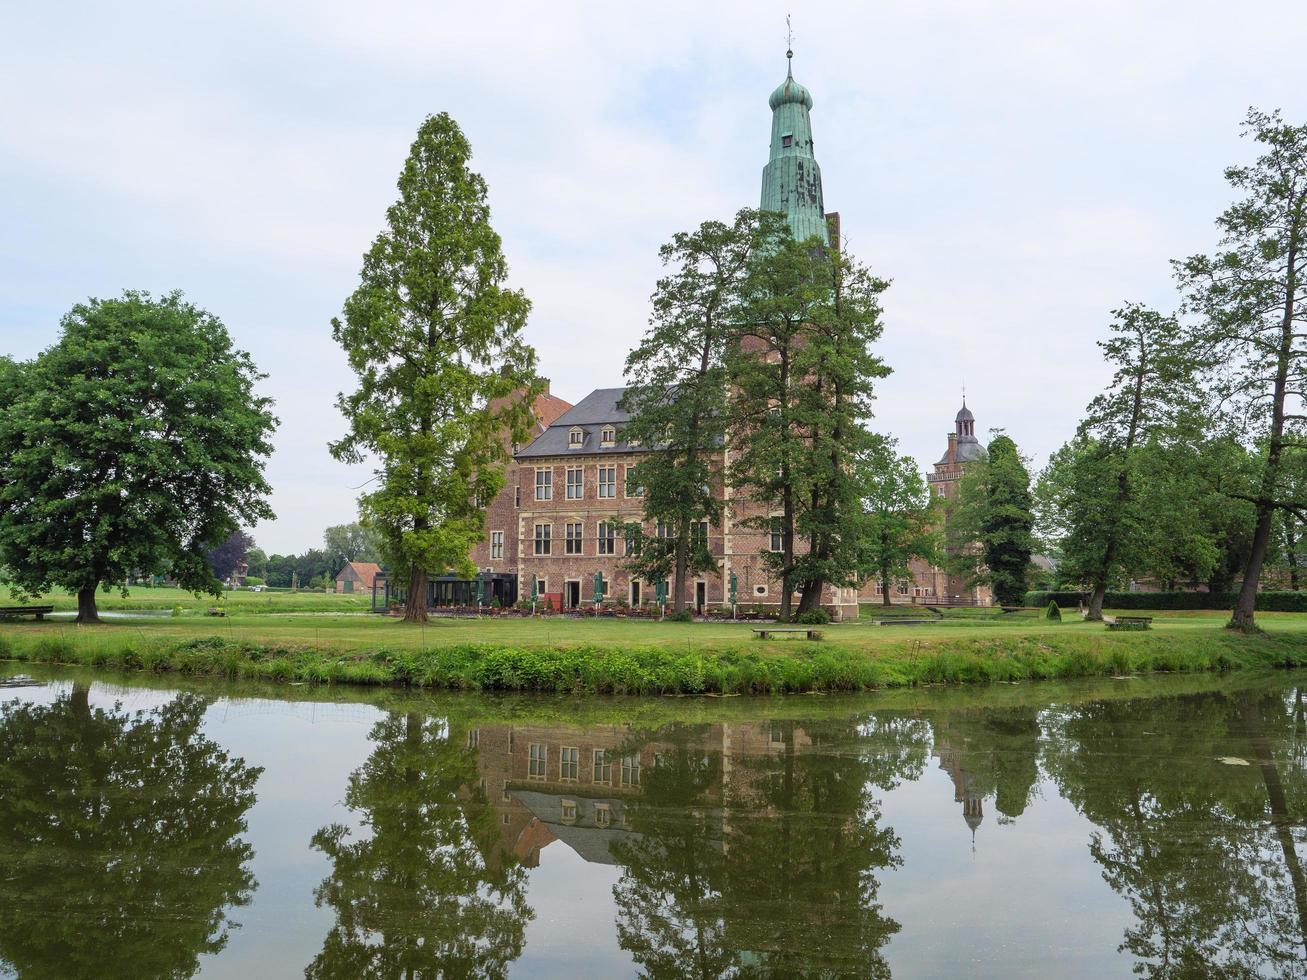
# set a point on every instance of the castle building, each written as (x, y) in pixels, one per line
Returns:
(556, 528)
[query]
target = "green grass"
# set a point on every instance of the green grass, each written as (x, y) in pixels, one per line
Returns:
(240, 601)
(640, 657)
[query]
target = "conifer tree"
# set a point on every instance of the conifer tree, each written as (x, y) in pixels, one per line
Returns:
(1251, 301)
(435, 338)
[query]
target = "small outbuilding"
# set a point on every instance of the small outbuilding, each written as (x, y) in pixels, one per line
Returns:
(357, 576)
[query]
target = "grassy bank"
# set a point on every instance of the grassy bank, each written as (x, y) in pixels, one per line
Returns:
(619, 657)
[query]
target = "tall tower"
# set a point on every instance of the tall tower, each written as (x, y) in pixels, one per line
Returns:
(791, 181)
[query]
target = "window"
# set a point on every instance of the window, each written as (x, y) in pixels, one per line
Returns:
(543, 533)
(505, 819)
(760, 590)
(662, 530)
(607, 539)
(608, 481)
(541, 588)
(569, 810)
(537, 757)
(633, 487)
(630, 770)
(496, 544)
(603, 815)
(474, 738)
(545, 484)
(634, 541)
(777, 736)
(787, 141)
(573, 543)
(903, 590)
(517, 495)
(576, 438)
(575, 483)
(777, 542)
(635, 594)
(607, 436)
(698, 535)
(603, 766)
(569, 764)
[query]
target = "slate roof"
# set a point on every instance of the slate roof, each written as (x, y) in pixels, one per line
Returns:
(968, 448)
(590, 414)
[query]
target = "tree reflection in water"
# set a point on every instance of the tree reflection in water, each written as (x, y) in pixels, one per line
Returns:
(768, 869)
(120, 847)
(415, 896)
(1202, 849)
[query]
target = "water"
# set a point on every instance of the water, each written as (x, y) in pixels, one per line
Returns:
(1114, 828)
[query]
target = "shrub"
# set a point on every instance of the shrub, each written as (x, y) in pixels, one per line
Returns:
(684, 616)
(814, 617)
(1053, 612)
(253, 580)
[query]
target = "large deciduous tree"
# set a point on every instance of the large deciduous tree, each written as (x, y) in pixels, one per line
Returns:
(897, 519)
(435, 338)
(1107, 516)
(991, 523)
(1250, 299)
(677, 393)
(230, 555)
(345, 543)
(134, 443)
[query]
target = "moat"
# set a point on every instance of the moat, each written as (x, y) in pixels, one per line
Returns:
(167, 828)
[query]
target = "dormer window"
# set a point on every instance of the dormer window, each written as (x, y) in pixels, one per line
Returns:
(576, 438)
(608, 436)
(787, 141)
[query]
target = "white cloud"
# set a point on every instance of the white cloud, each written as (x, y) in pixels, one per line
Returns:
(1017, 168)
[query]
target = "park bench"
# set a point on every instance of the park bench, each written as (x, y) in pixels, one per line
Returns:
(767, 632)
(1131, 623)
(37, 611)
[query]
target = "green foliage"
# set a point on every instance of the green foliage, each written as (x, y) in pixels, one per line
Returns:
(253, 580)
(160, 805)
(994, 512)
(802, 377)
(677, 394)
(445, 380)
(1053, 612)
(896, 524)
(134, 444)
(813, 617)
(681, 616)
(344, 543)
(1266, 601)
(1248, 301)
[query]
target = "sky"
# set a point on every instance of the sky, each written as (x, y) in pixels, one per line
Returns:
(1017, 169)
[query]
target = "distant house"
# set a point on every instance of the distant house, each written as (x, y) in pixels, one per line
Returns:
(357, 576)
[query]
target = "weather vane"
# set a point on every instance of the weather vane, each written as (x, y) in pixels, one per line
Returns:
(789, 38)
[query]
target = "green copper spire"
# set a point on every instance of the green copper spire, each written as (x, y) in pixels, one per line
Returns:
(791, 181)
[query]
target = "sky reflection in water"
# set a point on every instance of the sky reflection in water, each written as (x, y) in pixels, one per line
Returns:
(1148, 827)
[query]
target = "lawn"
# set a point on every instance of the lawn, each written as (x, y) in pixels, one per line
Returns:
(241, 601)
(636, 656)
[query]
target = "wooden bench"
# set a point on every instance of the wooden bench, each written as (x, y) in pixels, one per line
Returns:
(37, 611)
(767, 632)
(1131, 623)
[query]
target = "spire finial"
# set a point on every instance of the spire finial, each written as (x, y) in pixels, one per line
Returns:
(789, 48)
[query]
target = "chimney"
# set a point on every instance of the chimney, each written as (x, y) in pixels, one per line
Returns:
(952, 454)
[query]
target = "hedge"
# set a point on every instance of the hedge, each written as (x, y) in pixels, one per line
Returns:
(1266, 601)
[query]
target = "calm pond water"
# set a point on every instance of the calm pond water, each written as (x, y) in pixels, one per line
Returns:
(1104, 829)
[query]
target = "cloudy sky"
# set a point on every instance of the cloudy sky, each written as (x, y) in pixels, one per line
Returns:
(1017, 169)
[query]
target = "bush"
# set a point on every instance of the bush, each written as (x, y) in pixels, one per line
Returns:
(684, 616)
(1053, 612)
(1266, 601)
(815, 617)
(253, 580)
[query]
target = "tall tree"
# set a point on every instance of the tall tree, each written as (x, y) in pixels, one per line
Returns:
(435, 338)
(898, 516)
(677, 392)
(839, 369)
(780, 297)
(1251, 301)
(1146, 408)
(992, 522)
(135, 442)
(345, 543)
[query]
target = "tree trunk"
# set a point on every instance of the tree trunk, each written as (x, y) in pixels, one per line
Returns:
(884, 587)
(678, 573)
(1243, 617)
(81, 699)
(86, 609)
(1096, 598)
(415, 607)
(1291, 550)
